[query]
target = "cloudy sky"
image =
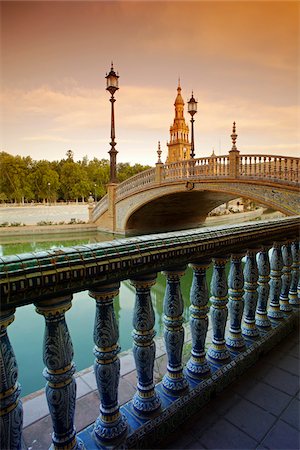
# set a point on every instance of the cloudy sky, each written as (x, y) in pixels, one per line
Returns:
(241, 59)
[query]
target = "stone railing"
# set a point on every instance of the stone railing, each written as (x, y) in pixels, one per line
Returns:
(260, 297)
(101, 206)
(279, 168)
(198, 168)
(135, 183)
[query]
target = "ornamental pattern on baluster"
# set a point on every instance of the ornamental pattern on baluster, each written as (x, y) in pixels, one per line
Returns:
(197, 365)
(145, 400)
(174, 380)
(276, 264)
(249, 328)
(59, 370)
(286, 278)
(294, 299)
(235, 302)
(218, 352)
(111, 425)
(11, 411)
(263, 265)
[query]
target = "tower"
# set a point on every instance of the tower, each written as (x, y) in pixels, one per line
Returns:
(179, 146)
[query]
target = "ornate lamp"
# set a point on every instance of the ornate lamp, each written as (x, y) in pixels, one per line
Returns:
(192, 109)
(112, 85)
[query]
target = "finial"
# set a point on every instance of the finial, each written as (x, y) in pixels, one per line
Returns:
(159, 153)
(233, 137)
(179, 82)
(112, 65)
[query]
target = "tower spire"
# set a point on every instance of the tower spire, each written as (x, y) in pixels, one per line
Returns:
(233, 137)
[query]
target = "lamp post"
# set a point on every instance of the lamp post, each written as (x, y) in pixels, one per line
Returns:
(95, 186)
(49, 184)
(112, 86)
(192, 109)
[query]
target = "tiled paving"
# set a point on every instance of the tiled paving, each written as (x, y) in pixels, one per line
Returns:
(260, 411)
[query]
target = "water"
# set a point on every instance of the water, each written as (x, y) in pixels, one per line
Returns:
(26, 332)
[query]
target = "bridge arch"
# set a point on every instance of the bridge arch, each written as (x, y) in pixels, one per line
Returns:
(180, 195)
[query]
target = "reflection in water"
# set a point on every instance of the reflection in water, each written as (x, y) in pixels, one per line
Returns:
(26, 332)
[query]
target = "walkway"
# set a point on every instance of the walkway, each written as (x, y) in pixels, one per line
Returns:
(261, 410)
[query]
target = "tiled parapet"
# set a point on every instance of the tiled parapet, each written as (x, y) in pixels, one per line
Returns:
(49, 278)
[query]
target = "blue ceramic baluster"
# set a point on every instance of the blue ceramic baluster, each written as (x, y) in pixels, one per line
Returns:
(276, 264)
(293, 296)
(111, 426)
(11, 411)
(174, 380)
(59, 370)
(218, 352)
(249, 328)
(235, 339)
(263, 265)
(145, 400)
(286, 278)
(197, 365)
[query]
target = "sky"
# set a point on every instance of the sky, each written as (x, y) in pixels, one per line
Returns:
(241, 60)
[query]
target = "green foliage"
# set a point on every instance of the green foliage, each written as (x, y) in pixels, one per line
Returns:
(24, 180)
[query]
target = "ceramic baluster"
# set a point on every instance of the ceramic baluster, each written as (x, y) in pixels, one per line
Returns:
(174, 380)
(235, 339)
(11, 411)
(263, 265)
(59, 370)
(146, 400)
(218, 352)
(197, 365)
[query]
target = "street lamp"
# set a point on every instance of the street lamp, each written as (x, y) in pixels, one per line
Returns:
(95, 185)
(112, 86)
(192, 109)
(49, 184)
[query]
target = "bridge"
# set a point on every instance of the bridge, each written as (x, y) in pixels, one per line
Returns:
(179, 195)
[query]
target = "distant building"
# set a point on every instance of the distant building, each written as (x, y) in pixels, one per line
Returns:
(179, 147)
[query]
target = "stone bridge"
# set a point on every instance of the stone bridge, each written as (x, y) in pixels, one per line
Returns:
(179, 195)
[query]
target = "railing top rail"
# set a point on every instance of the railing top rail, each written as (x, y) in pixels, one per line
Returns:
(267, 156)
(31, 277)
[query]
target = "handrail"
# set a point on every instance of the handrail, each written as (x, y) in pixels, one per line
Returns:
(261, 298)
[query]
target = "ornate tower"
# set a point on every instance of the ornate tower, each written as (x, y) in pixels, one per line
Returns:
(179, 146)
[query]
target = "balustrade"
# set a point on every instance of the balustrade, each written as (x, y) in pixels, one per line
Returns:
(139, 259)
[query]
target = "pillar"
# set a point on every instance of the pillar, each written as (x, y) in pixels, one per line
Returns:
(276, 264)
(249, 328)
(286, 278)
(174, 380)
(197, 365)
(111, 426)
(218, 352)
(11, 411)
(59, 370)
(235, 339)
(263, 265)
(146, 400)
(293, 296)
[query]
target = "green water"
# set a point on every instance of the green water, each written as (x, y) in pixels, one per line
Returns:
(26, 332)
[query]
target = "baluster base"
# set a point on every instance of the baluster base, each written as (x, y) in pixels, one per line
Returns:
(75, 444)
(110, 433)
(249, 329)
(174, 381)
(146, 404)
(285, 305)
(275, 313)
(218, 352)
(197, 367)
(235, 340)
(293, 299)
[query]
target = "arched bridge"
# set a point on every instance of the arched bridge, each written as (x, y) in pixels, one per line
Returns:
(180, 195)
